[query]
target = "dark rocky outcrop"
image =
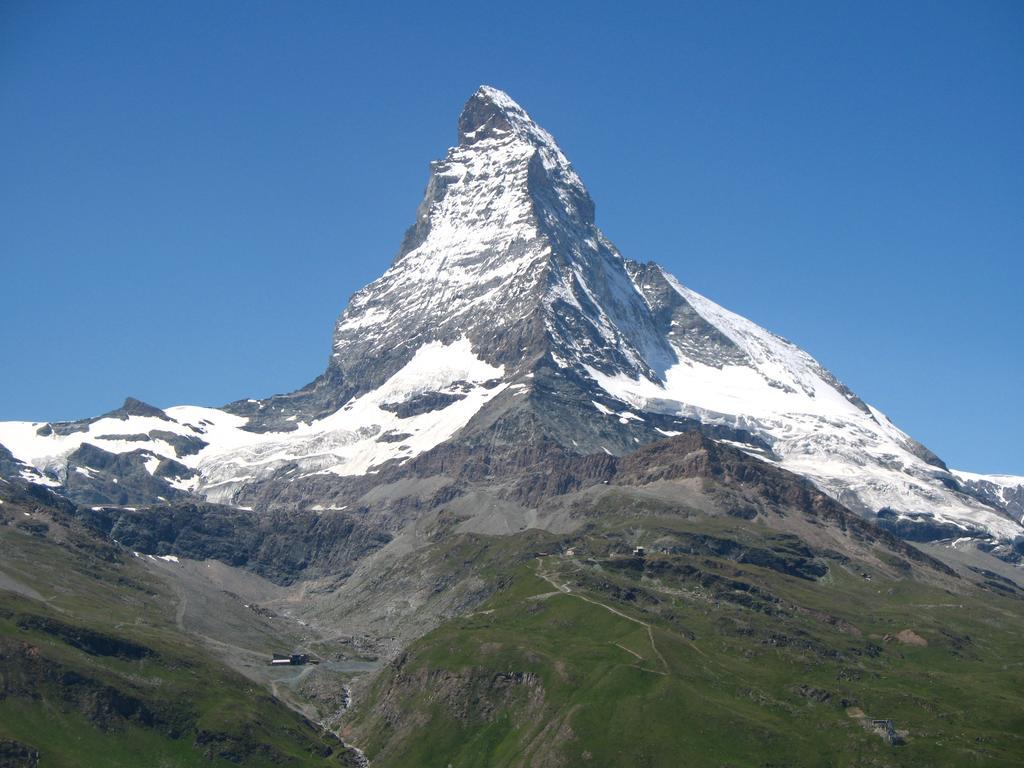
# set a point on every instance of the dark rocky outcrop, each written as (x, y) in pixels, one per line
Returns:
(283, 547)
(14, 754)
(789, 556)
(424, 402)
(131, 407)
(920, 527)
(95, 476)
(184, 445)
(84, 639)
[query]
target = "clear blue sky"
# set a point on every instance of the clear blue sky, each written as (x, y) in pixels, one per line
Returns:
(190, 192)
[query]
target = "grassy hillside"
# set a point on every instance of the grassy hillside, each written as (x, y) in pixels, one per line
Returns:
(94, 670)
(765, 625)
(698, 656)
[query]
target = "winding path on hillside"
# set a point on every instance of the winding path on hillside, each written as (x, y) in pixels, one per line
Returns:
(567, 590)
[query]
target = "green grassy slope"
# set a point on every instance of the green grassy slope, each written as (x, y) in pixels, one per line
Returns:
(695, 659)
(94, 670)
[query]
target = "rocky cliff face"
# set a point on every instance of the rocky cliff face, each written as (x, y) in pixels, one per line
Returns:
(508, 319)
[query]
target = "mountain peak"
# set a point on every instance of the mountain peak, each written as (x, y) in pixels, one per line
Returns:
(491, 113)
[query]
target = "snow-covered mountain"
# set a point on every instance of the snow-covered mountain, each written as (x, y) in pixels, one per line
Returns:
(1001, 491)
(503, 295)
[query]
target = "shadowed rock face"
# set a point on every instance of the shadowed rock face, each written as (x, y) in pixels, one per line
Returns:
(280, 547)
(483, 118)
(96, 476)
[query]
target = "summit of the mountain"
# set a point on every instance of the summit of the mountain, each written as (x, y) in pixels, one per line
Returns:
(507, 317)
(491, 113)
(504, 251)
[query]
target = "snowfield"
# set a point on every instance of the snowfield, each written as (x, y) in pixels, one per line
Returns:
(344, 443)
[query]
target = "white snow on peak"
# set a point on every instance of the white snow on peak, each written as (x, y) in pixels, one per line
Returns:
(526, 129)
(482, 234)
(481, 250)
(503, 100)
